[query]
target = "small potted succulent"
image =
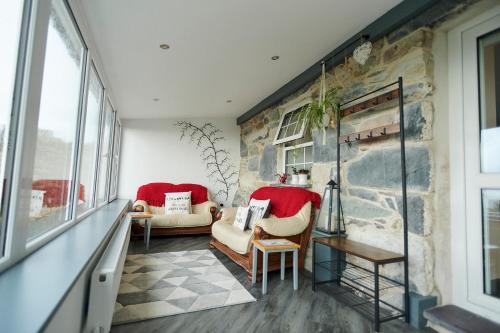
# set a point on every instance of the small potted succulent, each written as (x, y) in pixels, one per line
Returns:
(295, 176)
(303, 174)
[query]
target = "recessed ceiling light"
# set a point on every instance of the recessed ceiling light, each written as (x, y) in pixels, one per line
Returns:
(228, 101)
(164, 46)
(156, 99)
(275, 57)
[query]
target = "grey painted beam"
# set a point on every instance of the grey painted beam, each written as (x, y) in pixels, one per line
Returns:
(390, 21)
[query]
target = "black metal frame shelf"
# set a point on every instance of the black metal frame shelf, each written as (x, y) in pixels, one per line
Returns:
(361, 276)
(360, 302)
(369, 283)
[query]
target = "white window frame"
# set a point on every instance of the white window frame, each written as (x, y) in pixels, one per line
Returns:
(467, 286)
(286, 149)
(90, 66)
(302, 130)
(48, 235)
(24, 130)
(107, 98)
(117, 125)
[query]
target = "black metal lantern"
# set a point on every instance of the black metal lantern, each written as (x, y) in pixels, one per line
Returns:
(327, 220)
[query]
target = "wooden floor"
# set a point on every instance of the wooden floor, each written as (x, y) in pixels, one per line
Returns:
(281, 310)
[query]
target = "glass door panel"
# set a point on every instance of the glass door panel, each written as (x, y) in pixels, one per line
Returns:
(489, 100)
(491, 242)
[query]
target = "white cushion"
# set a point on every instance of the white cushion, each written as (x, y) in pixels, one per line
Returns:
(241, 218)
(178, 203)
(287, 226)
(259, 209)
(180, 220)
(229, 235)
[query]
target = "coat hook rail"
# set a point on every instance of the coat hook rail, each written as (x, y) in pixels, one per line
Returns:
(370, 134)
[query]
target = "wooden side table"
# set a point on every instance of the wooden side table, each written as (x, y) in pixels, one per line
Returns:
(147, 224)
(266, 249)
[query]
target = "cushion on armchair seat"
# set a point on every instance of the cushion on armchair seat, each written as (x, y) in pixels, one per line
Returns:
(229, 235)
(287, 226)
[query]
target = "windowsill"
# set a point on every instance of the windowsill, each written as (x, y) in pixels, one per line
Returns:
(32, 290)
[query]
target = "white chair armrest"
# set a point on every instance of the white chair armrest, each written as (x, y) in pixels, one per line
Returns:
(283, 227)
(228, 214)
(204, 207)
(141, 203)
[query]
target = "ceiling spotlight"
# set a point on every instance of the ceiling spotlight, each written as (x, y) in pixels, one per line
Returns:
(156, 99)
(275, 57)
(228, 101)
(164, 46)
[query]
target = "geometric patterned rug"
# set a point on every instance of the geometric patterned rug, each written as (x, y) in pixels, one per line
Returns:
(169, 283)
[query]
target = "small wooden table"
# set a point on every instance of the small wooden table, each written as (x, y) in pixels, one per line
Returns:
(266, 249)
(136, 216)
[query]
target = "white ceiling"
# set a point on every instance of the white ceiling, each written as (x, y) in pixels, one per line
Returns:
(220, 49)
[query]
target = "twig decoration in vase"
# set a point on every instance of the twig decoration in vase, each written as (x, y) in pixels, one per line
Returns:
(217, 160)
(320, 111)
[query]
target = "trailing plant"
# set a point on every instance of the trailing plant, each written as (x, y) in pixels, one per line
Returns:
(323, 108)
(217, 160)
(314, 113)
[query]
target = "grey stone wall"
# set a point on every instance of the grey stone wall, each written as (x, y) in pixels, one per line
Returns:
(370, 171)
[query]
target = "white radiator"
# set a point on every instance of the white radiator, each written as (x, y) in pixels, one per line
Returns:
(105, 280)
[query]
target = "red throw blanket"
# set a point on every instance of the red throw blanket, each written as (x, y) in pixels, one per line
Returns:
(56, 191)
(154, 193)
(286, 201)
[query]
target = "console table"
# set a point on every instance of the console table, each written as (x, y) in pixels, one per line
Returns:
(359, 287)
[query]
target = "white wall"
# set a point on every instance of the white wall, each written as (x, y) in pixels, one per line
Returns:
(153, 152)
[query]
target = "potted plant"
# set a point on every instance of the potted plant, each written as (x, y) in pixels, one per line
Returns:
(303, 174)
(295, 176)
(322, 109)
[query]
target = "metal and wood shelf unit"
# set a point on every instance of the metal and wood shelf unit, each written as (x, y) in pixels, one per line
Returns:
(357, 286)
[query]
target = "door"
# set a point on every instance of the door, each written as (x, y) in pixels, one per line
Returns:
(481, 133)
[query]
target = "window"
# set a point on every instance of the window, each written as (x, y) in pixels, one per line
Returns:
(290, 127)
(10, 24)
(53, 173)
(105, 151)
(298, 157)
(89, 147)
(115, 160)
(489, 129)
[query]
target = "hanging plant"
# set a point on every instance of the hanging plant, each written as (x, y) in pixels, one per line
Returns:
(321, 110)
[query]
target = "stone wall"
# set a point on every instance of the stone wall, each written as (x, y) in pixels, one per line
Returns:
(370, 171)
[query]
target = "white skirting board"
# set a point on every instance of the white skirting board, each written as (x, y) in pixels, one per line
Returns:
(105, 281)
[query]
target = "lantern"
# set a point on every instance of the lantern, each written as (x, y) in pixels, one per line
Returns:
(326, 220)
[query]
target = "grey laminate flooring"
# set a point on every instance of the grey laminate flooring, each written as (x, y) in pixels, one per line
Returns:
(281, 310)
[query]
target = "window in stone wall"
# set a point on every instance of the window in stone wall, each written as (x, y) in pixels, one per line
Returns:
(291, 128)
(299, 157)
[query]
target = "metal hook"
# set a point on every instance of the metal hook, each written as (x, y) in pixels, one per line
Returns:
(370, 135)
(384, 132)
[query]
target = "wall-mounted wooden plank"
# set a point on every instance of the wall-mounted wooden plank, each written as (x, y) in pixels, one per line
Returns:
(370, 134)
(370, 103)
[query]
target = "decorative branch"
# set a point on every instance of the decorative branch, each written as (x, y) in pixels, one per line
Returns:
(217, 160)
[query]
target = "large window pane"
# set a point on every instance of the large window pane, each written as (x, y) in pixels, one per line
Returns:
(90, 141)
(10, 23)
(105, 151)
(57, 124)
(489, 74)
(491, 239)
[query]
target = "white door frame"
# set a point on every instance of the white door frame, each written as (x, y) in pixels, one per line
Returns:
(466, 238)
